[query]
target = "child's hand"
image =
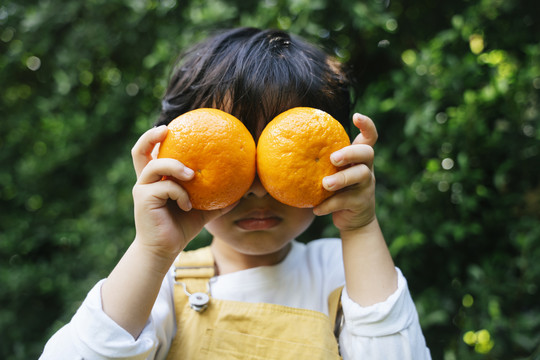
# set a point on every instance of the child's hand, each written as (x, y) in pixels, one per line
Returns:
(353, 204)
(164, 220)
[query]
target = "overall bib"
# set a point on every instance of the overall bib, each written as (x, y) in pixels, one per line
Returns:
(240, 330)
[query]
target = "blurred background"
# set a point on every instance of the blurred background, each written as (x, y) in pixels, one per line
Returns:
(453, 87)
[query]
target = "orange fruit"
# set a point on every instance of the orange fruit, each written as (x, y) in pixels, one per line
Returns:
(293, 155)
(221, 151)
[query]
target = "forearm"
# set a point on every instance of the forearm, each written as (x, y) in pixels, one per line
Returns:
(131, 289)
(370, 274)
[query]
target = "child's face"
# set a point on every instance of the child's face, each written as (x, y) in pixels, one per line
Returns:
(259, 224)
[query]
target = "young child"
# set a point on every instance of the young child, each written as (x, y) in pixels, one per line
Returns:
(255, 293)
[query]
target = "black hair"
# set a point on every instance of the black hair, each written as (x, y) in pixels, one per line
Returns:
(255, 75)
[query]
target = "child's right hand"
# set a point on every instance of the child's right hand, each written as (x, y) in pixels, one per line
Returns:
(164, 220)
(164, 223)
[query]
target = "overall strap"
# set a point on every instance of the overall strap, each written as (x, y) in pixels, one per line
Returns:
(335, 311)
(334, 304)
(195, 268)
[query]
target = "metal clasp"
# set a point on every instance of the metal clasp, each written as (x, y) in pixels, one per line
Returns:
(197, 301)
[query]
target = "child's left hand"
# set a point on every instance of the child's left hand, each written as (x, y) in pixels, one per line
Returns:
(353, 204)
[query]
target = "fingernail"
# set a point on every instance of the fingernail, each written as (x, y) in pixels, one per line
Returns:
(187, 206)
(329, 182)
(336, 158)
(188, 172)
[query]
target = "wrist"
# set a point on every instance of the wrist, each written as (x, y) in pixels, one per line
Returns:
(155, 259)
(369, 228)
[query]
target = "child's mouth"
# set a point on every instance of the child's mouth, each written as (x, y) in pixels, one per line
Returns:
(258, 220)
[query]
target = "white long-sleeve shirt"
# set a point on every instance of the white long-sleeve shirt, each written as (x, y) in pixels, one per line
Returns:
(304, 279)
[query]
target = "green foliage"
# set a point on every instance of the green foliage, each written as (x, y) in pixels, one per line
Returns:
(458, 181)
(454, 90)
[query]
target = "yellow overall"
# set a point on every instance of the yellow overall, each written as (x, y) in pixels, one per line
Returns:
(240, 330)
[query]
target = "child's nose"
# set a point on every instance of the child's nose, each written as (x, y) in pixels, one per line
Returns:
(256, 189)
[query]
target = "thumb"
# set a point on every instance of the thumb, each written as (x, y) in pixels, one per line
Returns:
(368, 132)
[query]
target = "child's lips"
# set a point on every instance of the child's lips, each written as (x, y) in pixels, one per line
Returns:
(258, 220)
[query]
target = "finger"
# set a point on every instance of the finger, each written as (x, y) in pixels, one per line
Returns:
(354, 198)
(142, 150)
(368, 132)
(337, 202)
(353, 154)
(359, 175)
(160, 192)
(157, 168)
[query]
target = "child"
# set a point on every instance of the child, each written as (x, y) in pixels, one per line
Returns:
(255, 293)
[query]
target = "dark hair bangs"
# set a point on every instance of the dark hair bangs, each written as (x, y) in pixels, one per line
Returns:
(255, 75)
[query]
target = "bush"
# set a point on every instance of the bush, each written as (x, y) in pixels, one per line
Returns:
(458, 181)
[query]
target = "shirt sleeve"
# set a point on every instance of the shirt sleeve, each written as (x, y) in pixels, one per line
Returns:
(388, 330)
(92, 334)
